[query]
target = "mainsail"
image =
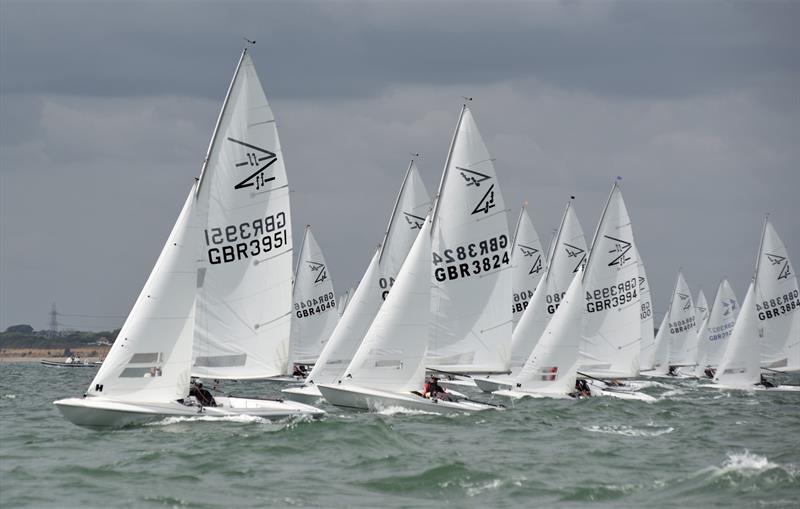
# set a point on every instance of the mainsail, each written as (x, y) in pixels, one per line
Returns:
(314, 308)
(150, 358)
(527, 262)
(244, 282)
(471, 298)
(612, 330)
(713, 336)
(407, 218)
(681, 326)
(776, 297)
(566, 258)
(648, 350)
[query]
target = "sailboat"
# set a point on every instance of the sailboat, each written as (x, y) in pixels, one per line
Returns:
(231, 241)
(314, 308)
(608, 284)
(471, 325)
(713, 335)
(407, 219)
(566, 258)
(675, 334)
(389, 367)
(527, 264)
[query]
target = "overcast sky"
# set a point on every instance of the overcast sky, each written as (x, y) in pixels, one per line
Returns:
(107, 109)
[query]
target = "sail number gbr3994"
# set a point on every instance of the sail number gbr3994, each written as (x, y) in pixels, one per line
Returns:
(471, 259)
(246, 240)
(612, 296)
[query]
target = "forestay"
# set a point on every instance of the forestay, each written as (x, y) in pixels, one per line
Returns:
(714, 335)
(740, 366)
(314, 307)
(566, 258)
(552, 366)
(612, 320)
(471, 299)
(407, 218)
(527, 262)
(776, 297)
(391, 356)
(150, 358)
(648, 350)
(244, 283)
(681, 325)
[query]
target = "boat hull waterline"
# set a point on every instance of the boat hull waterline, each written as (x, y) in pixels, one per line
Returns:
(375, 401)
(98, 412)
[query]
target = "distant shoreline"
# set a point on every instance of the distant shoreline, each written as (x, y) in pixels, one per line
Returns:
(22, 355)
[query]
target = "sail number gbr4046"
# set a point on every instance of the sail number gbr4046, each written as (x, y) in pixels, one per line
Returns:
(611, 296)
(471, 259)
(246, 240)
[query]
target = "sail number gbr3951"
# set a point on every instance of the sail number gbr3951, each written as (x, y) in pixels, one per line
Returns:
(246, 240)
(471, 259)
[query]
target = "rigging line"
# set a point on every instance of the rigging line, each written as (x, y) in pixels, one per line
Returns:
(496, 326)
(504, 211)
(270, 190)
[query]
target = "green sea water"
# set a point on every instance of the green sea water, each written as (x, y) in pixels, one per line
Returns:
(693, 448)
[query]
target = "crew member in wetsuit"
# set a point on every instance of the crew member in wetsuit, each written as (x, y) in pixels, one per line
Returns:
(581, 389)
(202, 395)
(767, 383)
(673, 371)
(432, 389)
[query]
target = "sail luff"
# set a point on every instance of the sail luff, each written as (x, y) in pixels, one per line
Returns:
(597, 231)
(437, 201)
(394, 209)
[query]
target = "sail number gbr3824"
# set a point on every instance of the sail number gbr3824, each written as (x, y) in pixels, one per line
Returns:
(246, 240)
(471, 259)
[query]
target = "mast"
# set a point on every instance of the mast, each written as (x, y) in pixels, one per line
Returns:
(394, 210)
(446, 167)
(597, 232)
(554, 244)
(300, 256)
(219, 119)
(760, 248)
(516, 230)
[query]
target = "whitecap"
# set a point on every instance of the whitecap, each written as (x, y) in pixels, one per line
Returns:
(747, 463)
(474, 490)
(398, 410)
(629, 431)
(10, 396)
(242, 418)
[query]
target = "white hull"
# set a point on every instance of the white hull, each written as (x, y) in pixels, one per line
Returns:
(308, 394)
(620, 393)
(80, 364)
(493, 384)
(97, 412)
(515, 394)
(458, 383)
(374, 400)
(286, 379)
(760, 388)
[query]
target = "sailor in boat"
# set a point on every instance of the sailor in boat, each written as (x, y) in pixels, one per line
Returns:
(710, 372)
(203, 397)
(673, 371)
(299, 371)
(433, 390)
(581, 390)
(766, 382)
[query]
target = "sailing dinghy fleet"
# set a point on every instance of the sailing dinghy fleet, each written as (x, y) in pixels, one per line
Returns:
(449, 292)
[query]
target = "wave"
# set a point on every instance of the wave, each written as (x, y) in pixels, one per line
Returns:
(243, 419)
(10, 396)
(629, 431)
(748, 464)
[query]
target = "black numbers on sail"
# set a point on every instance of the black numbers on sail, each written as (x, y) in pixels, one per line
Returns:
(385, 284)
(646, 312)
(553, 301)
(612, 296)
(246, 240)
(779, 306)
(521, 301)
(315, 306)
(471, 259)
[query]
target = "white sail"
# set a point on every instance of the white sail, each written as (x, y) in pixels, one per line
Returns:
(150, 358)
(407, 218)
(566, 257)
(552, 366)
(713, 336)
(661, 346)
(315, 313)
(777, 298)
(740, 363)
(612, 328)
(244, 286)
(391, 356)
(701, 318)
(342, 301)
(681, 326)
(701, 308)
(471, 299)
(648, 348)
(527, 264)
(793, 347)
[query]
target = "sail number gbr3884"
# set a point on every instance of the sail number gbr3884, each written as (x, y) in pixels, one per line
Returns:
(471, 259)
(246, 240)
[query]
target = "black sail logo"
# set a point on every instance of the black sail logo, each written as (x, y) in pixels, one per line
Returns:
(415, 222)
(486, 203)
(530, 251)
(472, 178)
(620, 248)
(258, 158)
(319, 268)
(782, 262)
(575, 252)
(685, 297)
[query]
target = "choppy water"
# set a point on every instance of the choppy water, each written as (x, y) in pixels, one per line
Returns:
(693, 448)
